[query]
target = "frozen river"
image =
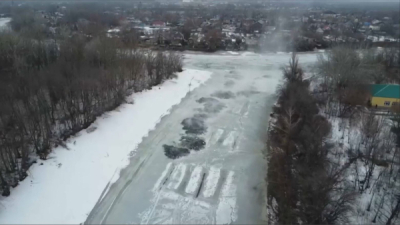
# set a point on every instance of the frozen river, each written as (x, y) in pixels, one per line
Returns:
(225, 121)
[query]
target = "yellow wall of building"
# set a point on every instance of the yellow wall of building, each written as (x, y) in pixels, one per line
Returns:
(381, 101)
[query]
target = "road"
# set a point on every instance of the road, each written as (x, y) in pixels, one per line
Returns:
(223, 180)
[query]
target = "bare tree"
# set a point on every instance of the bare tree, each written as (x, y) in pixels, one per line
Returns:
(395, 209)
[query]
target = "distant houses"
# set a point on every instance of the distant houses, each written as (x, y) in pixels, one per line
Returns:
(158, 24)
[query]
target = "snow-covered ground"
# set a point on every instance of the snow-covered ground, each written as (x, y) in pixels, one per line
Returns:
(65, 188)
(374, 202)
(4, 23)
(348, 137)
(150, 30)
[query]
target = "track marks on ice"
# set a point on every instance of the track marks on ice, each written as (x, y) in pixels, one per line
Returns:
(189, 193)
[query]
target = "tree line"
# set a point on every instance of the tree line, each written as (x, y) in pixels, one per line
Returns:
(51, 90)
(304, 186)
(324, 174)
(372, 140)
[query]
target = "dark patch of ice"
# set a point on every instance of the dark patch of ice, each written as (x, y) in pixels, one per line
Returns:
(193, 142)
(194, 125)
(200, 115)
(173, 152)
(229, 83)
(211, 105)
(206, 99)
(248, 93)
(223, 94)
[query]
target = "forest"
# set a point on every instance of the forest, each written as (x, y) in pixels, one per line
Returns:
(51, 89)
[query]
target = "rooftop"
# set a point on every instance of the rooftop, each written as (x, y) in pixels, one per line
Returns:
(386, 90)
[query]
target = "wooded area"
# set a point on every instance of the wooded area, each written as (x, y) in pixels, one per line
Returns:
(301, 180)
(51, 89)
(331, 160)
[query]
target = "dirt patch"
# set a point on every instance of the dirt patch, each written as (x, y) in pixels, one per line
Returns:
(193, 142)
(223, 94)
(248, 93)
(194, 125)
(229, 83)
(173, 152)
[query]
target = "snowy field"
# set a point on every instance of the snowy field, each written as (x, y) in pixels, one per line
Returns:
(64, 188)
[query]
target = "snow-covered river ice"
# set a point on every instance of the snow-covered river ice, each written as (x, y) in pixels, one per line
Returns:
(225, 120)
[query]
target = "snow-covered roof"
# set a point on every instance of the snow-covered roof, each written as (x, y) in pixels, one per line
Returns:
(115, 30)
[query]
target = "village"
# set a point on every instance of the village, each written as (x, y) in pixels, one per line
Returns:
(202, 111)
(216, 26)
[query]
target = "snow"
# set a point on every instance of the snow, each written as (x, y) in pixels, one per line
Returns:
(250, 54)
(67, 186)
(226, 210)
(150, 30)
(347, 137)
(177, 176)
(4, 22)
(168, 203)
(162, 177)
(230, 140)
(194, 180)
(233, 53)
(211, 182)
(115, 30)
(217, 135)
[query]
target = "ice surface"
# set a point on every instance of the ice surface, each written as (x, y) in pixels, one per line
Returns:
(194, 180)
(211, 182)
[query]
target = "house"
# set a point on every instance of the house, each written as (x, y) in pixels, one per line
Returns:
(375, 27)
(329, 14)
(385, 95)
(376, 22)
(326, 28)
(320, 31)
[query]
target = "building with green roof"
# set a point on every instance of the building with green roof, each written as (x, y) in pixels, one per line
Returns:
(385, 95)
